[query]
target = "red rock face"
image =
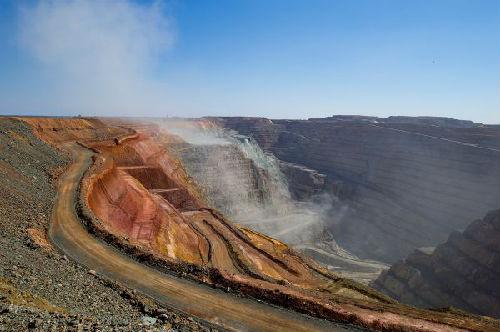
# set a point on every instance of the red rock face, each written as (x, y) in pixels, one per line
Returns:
(129, 210)
(129, 193)
(142, 194)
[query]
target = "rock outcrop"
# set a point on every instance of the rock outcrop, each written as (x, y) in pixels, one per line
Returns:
(304, 183)
(464, 272)
(403, 184)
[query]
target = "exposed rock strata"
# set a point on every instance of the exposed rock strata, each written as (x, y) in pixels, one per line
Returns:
(247, 185)
(463, 272)
(137, 216)
(128, 207)
(226, 178)
(405, 185)
(40, 288)
(304, 183)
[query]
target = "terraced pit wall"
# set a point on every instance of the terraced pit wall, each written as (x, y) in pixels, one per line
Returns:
(196, 242)
(244, 261)
(401, 187)
(463, 272)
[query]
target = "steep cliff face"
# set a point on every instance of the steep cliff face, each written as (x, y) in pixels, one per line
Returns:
(463, 272)
(141, 195)
(225, 176)
(249, 186)
(304, 183)
(403, 185)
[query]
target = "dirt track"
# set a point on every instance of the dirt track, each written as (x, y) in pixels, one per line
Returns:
(212, 305)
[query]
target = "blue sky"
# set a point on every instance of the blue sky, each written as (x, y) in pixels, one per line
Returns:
(279, 59)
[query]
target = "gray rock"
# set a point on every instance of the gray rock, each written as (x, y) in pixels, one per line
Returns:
(148, 320)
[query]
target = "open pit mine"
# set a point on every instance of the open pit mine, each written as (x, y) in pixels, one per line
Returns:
(249, 224)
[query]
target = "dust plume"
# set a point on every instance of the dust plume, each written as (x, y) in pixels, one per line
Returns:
(245, 183)
(99, 55)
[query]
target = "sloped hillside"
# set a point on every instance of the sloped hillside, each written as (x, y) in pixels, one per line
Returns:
(136, 196)
(464, 272)
(40, 288)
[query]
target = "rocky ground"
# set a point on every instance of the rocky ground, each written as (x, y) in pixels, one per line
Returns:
(41, 289)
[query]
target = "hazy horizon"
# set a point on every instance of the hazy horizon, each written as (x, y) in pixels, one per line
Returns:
(138, 117)
(279, 59)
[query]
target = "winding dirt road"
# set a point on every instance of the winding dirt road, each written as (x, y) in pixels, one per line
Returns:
(222, 309)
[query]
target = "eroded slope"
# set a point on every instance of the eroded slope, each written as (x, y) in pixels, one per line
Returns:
(404, 185)
(40, 288)
(141, 200)
(144, 197)
(463, 272)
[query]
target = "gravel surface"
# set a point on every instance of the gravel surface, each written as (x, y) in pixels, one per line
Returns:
(41, 289)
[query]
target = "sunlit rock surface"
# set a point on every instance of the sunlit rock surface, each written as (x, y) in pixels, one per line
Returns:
(137, 197)
(142, 195)
(251, 188)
